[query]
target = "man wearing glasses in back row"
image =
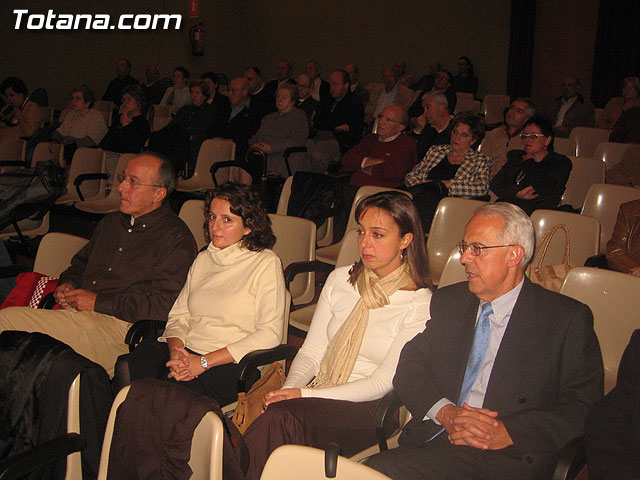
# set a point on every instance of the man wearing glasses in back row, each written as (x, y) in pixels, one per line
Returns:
(505, 372)
(132, 269)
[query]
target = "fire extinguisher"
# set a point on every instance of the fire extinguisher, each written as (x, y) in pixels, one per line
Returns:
(197, 39)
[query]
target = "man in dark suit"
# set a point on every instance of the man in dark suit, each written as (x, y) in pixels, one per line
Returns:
(505, 372)
(263, 101)
(244, 119)
(320, 90)
(306, 102)
(283, 76)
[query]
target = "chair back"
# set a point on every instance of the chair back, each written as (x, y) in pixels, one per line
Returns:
(211, 151)
(493, 108)
(291, 462)
(106, 108)
(611, 153)
(585, 172)
(296, 242)
(464, 102)
(205, 459)
(613, 298)
(49, 151)
(192, 213)
(584, 236)
(46, 114)
(453, 271)
(110, 203)
(564, 146)
(603, 202)
(12, 148)
(85, 160)
(159, 116)
(55, 252)
(587, 139)
(447, 229)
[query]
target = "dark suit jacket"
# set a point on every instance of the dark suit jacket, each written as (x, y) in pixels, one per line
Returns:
(547, 372)
(580, 114)
(349, 110)
(242, 127)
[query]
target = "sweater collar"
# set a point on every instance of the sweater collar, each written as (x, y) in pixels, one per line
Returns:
(228, 256)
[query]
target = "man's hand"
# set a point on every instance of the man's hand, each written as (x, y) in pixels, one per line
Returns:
(81, 300)
(474, 427)
(527, 193)
(60, 294)
(280, 395)
(342, 128)
(635, 271)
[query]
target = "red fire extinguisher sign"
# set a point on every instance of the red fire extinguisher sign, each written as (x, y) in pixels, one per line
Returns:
(193, 9)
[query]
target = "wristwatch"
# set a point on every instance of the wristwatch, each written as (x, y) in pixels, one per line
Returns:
(203, 362)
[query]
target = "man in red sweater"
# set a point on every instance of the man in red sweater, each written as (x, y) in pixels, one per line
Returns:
(383, 158)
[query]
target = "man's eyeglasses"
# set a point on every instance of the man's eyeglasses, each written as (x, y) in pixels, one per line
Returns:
(475, 249)
(531, 136)
(134, 183)
(381, 116)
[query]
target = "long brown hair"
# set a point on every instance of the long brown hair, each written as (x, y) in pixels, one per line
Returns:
(403, 212)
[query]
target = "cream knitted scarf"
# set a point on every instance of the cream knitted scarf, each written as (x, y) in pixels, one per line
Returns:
(343, 350)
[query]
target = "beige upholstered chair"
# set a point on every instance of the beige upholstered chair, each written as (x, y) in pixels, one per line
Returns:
(192, 213)
(611, 152)
(205, 459)
(291, 462)
(585, 172)
(12, 149)
(564, 146)
(159, 116)
(49, 151)
(464, 102)
(211, 151)
(85, 160)
(447, 229)
(46, 114)
(106, 109)
(584, 233)
(587, 139)
(493, 108)
(603, 202)
(613, 298)
(453, 271)
(55, 253)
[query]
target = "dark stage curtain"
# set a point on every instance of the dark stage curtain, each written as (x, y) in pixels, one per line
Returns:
(522, 32)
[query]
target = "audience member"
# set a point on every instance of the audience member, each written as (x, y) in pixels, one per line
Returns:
(535, 177)
(571, 109)
(627, 128)
(505, 138)
(155, 87)
(118, 84)
(426, 82)
(613, 425)
(442, 84)
(178, 95)
(465, 81)
(385, 157)
(356, 87)
(505, 372)
(132, 269)
(219, 101)
(244, 119)
(456, 170)
(281, 130)
(339, 120)
(623, 249)
(365, 315)
(400, 69)
(130, 129)
(231, 303)
(20, 117)
(614, 107)
(262, 100)
(386, 93)
(306, 102)
(283, 76)
(320, 91)
(433, 127)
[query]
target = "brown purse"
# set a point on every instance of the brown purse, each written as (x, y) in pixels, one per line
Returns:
(551, 276)
(250, 404)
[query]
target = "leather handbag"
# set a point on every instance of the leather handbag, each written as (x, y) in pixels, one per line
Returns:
(249, 405)
(551, 276)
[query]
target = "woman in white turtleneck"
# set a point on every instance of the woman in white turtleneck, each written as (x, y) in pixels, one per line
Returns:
(232, 303)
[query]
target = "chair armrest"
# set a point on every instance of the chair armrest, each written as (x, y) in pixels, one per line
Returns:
(140, 330)
(288, 152)
(331, 452)
(385, 411)
(8, 271)
(227, 163)
(258, 358)
(80, 179)
(41, 456)
(296, 268)
(571, 460)
(597, 261)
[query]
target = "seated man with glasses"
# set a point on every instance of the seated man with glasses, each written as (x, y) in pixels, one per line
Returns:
(505, 372)
(132, 269)
(383, 158)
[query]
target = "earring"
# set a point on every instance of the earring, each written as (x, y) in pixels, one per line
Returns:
(402, 254)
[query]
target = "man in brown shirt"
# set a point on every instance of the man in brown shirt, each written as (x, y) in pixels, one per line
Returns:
(133, 268)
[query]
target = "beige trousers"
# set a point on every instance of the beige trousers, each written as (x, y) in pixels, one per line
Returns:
(97, 336)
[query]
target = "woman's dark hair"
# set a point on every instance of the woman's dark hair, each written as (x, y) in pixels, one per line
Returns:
(137, 93)
(183, 71)
(405, 215)
(545, 126)
(87, 94)
(469, 65)
(474, 122)
(16, 84)
(202, 85)
(245, 203)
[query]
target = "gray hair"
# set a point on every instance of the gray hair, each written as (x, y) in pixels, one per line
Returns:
(531, 107)
(439, 97)
(518, 227)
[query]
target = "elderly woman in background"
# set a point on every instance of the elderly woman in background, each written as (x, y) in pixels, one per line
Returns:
(130, 129)
(232, 303)
(614, 107)
(178, 95)
(365, 315)
(456, 170)
(20, 117)
(535, 177)
(288, 127)
(623, 250)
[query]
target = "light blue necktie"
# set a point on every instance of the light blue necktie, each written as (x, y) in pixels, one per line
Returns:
(476, 356)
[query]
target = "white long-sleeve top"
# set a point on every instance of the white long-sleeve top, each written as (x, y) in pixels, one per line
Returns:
(389, 328)
(232, 298)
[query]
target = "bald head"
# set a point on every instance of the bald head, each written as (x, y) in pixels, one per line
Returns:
(392, 121)
(238, 91)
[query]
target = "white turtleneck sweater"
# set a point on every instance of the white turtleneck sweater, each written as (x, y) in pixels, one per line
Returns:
(232, 298)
